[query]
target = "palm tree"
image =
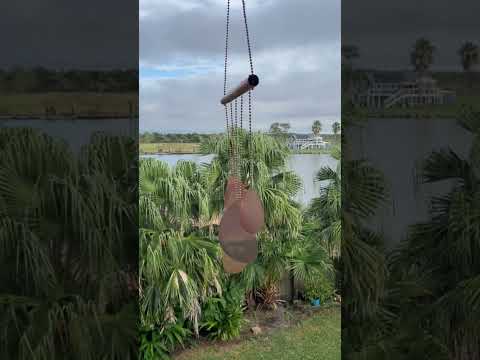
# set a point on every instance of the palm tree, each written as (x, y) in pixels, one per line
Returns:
(421, 56)
(316, 127)
(469, 56)
(336, 127)
(431, 299)
(349, 53)
(446, 252)
(179, 265)
(281, 245)
(362, 264)
(324, 212)
(68, 264)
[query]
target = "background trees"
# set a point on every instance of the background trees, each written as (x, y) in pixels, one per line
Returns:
(421, 55)
(336, 127)
(68, 287)
(183, 286)
(317, 127)
(38, 79)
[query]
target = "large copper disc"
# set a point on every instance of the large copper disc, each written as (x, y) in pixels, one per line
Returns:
(252, 217)
(232, 266)
(235, 241)
(233, 190)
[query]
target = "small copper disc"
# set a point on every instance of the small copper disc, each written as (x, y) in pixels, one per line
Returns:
(232, 266)
(235, 241)
(252, 216)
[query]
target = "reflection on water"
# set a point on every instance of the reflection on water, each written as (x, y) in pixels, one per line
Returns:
(304, 165)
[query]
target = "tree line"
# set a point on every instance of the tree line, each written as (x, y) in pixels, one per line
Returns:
(39, 79)
(276, 129)
(422, 55)
(156, 137)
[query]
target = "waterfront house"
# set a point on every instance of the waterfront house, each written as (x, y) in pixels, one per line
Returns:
(306, 142)
(387, 89)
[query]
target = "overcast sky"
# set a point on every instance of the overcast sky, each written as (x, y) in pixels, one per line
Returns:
(296, 53)
(385, 31)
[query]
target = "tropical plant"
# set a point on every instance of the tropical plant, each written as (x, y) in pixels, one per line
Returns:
(159, 343)
(362, 264)
(469, 55)
(431, 299)
(282, 247)
(421, 55)
(222, 316)
(349, 53)
(68, 265)
(319, 287)
(336, 127)
(324, 212)
(317, 127)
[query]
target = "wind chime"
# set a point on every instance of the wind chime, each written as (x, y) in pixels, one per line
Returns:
(243, 215)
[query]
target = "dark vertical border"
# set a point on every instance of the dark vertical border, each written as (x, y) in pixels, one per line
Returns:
(69, 179)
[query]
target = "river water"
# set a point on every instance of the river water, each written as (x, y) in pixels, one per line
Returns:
(304, 165)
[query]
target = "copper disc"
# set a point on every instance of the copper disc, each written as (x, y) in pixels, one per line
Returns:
(252, 216)
(232, 266)
(235, 241)
(234, 187)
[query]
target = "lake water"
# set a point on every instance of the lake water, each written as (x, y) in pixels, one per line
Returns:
(405, 144)
(76, 132)
(305, 165)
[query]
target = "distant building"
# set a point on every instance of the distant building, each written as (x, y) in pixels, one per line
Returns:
(306, 141)
(387, 89)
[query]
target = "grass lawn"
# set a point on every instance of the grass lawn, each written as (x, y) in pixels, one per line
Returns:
(69, 103)
(317, 338)
(169, 148)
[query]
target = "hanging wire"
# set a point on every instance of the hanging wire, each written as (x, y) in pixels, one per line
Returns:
(248, 35)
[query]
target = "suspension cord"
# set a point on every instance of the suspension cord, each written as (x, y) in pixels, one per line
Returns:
(248, 35)
(232, 124)
(229, 138)
(250, 134)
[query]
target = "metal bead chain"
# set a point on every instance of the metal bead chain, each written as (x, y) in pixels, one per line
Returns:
(248, 35)
(226, 49)
(232, 137)
(250, 135)
(241, 112)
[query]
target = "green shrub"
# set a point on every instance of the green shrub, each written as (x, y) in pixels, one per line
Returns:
(157, 344)
(319, 287)
(223, 316)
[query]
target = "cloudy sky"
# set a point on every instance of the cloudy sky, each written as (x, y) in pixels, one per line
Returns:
(385, 31)
(296, 53)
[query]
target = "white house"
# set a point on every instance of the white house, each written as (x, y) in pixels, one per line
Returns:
(306, 141)
(387, 89)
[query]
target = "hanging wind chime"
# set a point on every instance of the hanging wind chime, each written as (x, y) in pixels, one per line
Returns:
(243, 215)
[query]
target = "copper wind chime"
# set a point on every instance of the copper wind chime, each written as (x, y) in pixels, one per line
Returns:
(243, 215)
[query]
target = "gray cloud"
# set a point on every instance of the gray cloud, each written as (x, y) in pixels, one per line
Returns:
(69, 34)
(296, 54)
(386, 31)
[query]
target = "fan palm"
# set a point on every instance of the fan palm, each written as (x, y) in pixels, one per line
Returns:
(421, 56)
(429, 308)
(282, 248)
(68, 248)
(324, 212)
(469, 56)
(179, 265)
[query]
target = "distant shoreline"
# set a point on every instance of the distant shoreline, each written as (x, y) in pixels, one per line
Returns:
(194, 149)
